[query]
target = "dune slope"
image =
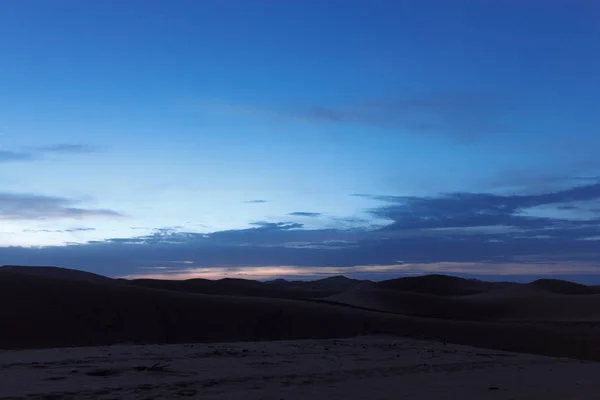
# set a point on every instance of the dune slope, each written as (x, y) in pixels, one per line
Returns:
(232, 287)
(518, 303)
(441, 285)
(46, 312)
(57, 272)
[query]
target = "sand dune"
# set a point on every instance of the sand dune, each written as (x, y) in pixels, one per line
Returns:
(440, 285)
(415, 304)
(522, 303)
(56, 272)
(333, 283)
(564, 287)
(61, 312)
(234, 287)
(38, 311)
(279, 288)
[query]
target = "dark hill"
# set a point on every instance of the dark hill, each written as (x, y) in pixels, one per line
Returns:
(279, 288)
(440, 285)
(564, 287)
(56, 272)
(37, 311)
(232, 287)
(334, 283)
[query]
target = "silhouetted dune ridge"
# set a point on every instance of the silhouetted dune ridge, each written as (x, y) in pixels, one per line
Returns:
(245, 287)
(564, 287)
(441, 285)
(56, 272)
(42, 311)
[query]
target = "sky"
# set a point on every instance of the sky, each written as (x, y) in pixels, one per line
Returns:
(301, 138)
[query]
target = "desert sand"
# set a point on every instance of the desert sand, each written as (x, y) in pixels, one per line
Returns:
(524, 303)
(366, 340)
(41, 312)
(369, 367)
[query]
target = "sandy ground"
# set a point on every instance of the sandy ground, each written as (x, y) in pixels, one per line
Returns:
(369, 367)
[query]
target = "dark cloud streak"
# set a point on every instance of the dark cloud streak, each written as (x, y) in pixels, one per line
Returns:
(38, 153)
(68, 149)
(15, 156)
(72, 230)
(461, 115)
(15, 206)
(462, 210)
(305, 214)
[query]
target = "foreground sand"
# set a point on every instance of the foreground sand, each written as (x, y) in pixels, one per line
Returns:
(368, 367)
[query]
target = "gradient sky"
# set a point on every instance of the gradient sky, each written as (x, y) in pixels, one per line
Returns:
(298, 138)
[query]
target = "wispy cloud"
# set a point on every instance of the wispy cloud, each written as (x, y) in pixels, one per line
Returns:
(464, 115)
(72, 230)
(256, 201)
(12, 156)
(68, 148)
(15, 206)
(38, 153)
(562, 176)
(305, 214)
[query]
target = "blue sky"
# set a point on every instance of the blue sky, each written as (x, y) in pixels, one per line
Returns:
(299, 138)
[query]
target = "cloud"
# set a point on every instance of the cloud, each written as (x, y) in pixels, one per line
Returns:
(305, 214)
(60, 230)
(266, 226)
(38, 153)
(275, 247)
(67, 148)
(11, 156)
(256, 201)
(562, 176)
(15, 206)
(466, 229)
(463, 210)
(462, 115)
